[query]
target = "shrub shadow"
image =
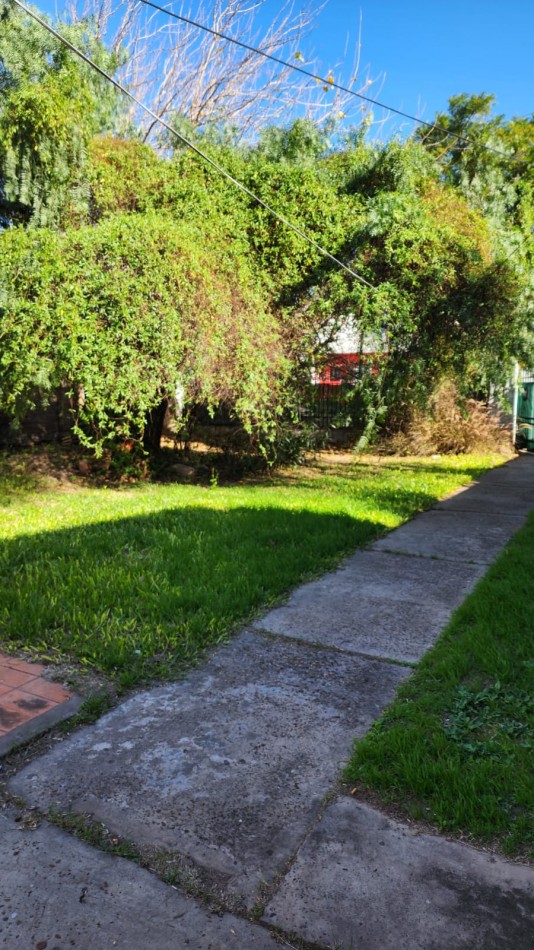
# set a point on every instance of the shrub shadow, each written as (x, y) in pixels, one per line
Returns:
(154, 590)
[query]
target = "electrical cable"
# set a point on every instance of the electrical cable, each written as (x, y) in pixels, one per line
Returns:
(194, 148)
(329, 81)
(514, 251)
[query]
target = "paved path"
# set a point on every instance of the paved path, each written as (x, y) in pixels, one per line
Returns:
(231, 777)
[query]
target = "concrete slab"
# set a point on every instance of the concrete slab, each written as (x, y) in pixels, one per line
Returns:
(492, 500)
(378, 604)
(516, 470)
(364, 881)
(57, 892)
(469, 536)
(228, 767)
(509, 488)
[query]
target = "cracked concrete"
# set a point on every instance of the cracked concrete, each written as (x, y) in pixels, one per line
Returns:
(236, 767)
(363, 880)
(207, 767)
(58, 892)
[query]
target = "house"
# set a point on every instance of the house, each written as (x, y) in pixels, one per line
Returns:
(348, 355)
(352, 355)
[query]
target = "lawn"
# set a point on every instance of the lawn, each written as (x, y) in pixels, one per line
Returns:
(138, 581)
(456, 748)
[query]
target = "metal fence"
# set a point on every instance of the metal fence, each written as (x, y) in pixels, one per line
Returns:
(523, 408)
(326, 406)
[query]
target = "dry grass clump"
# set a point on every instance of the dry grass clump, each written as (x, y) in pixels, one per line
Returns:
(449, 426)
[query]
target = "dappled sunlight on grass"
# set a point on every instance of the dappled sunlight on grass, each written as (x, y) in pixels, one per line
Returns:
(385, 490)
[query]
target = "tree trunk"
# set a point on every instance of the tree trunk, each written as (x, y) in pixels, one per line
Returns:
(154, 427)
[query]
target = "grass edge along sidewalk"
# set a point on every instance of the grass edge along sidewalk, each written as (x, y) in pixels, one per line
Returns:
(138, 582)
(456, 747)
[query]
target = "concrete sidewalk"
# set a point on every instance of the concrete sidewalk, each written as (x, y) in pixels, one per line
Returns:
(231, 776)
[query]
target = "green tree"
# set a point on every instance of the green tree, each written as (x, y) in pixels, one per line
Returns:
(491, 163)
(447, 307)
(440, 297)
(123, 312)
(52, 104)
(485, 157)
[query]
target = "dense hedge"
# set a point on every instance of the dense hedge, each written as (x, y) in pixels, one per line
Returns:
(177, 278)
(123, 312)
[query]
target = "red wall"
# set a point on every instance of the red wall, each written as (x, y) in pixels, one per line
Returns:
(344, 367)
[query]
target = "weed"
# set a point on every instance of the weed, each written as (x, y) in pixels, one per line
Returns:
(91, 709)
(485, 722)
(448, 424)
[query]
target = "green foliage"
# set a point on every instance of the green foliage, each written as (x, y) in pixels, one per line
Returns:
(445, 307)
(216, 136)
(124, 175)
(494, 172)
(485, 722)
(291, 264)
(52, 104)
(487, 159)
(122, 313)
(301, 143)
(130, 176)
(291, 444)
(443, 304)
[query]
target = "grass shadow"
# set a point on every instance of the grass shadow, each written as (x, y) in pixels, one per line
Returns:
(146, 594)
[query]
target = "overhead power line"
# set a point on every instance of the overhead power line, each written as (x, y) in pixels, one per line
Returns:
(328, 82)
(194, 148)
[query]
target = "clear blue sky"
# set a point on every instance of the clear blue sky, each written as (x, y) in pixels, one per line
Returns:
(428, 51)
(423, 51)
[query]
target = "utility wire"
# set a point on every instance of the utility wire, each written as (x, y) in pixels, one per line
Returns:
(329, 81)
(515, 250)
(194, 148)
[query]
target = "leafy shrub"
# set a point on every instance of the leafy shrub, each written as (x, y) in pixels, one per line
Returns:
(123, 312)
(289, 443)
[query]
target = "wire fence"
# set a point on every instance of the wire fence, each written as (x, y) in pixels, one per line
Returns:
(325, 406)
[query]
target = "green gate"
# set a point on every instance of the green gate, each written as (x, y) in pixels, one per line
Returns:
(525, 416)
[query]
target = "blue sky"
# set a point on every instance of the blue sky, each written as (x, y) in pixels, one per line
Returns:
(428, 51)
(421, 53)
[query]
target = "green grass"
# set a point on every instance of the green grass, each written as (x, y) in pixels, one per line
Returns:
(456, 748)
(138, 581)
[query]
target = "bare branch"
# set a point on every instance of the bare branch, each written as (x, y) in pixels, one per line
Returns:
(180, 70)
